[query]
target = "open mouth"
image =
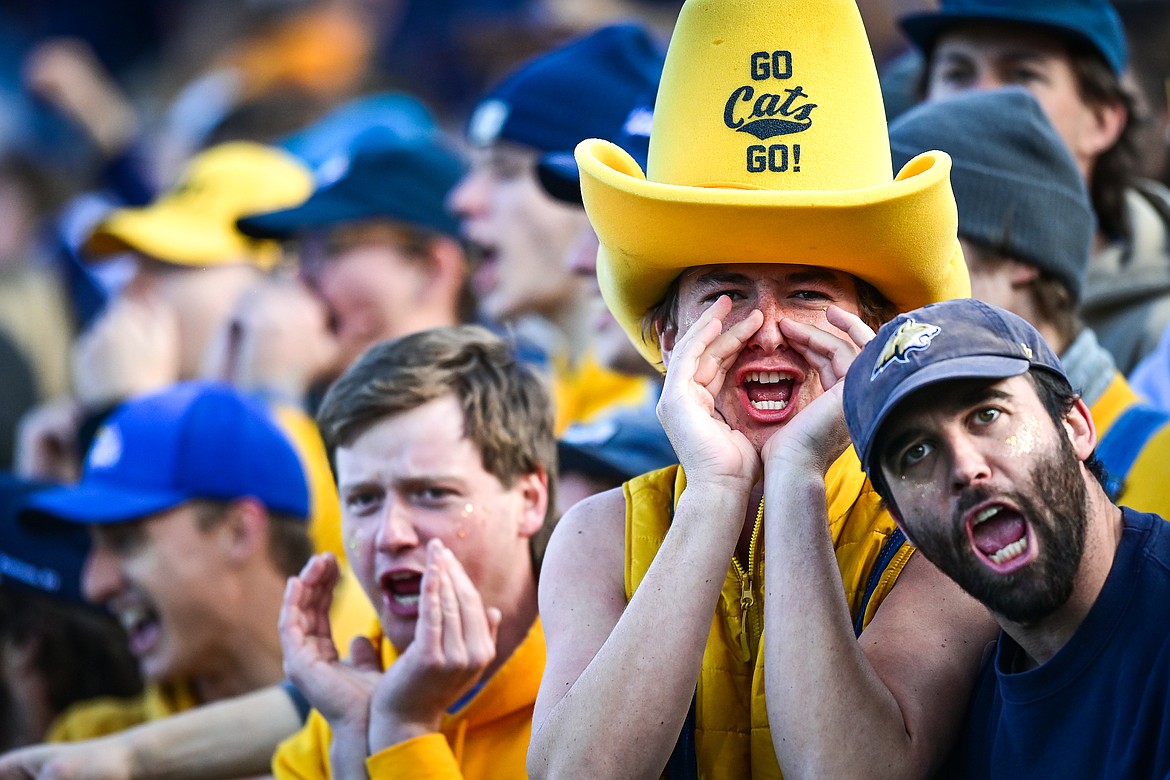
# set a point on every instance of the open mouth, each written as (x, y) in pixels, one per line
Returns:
(768, 391)
(142, 628)
(1001, 537)
(401, 591)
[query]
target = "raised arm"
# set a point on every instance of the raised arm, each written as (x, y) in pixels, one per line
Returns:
(620, 677)
(232, 738)
(899, 691)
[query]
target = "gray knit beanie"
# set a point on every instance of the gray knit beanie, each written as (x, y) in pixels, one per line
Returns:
(1017, 187)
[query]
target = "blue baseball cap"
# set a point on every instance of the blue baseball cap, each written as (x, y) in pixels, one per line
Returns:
(380, 174)
(197, 440)
(617, 447)
(46, 556)
(1091, 23)
(957, 339)
(396, 111)
(584, 89)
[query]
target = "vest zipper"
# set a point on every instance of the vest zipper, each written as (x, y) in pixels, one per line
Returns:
(747, 597)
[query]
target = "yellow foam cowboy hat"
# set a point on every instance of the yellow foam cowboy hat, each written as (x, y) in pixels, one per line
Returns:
(194, 223)
(769, 145)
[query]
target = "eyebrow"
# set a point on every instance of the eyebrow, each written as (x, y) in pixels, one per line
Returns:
(948, 404)
(812, 274)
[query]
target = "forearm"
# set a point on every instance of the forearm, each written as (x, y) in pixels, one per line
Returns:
(232, 738)
(828, 687)
(621, 717)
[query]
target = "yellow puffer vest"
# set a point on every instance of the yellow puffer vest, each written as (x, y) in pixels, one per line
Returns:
(731, 734)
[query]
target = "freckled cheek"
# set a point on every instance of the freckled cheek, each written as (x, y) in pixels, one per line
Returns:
(1025, 439)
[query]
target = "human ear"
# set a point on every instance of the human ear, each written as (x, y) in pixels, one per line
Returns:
(1080, 429)
(533, 488)
(243, 530)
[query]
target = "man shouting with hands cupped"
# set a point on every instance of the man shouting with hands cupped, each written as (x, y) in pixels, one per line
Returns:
(443, 449)
(765, 240)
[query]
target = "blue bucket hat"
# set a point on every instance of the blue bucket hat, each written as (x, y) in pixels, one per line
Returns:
(584, 89)
(1091, 23)
(380, 174)
(198, 440)
(962, 338)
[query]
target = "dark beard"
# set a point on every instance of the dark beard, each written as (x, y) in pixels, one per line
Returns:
(1057, 509)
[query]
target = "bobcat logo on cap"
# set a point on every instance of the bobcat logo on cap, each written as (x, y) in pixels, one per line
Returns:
(911, 336)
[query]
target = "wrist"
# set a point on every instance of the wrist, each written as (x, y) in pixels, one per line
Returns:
(387, 730)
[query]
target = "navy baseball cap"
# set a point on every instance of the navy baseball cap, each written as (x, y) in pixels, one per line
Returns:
(1092, 23)
(197, 440)
(957, 339)
(617, 447)
(398, 112)
(38, 557)
(380, 174)
(558, 170)
(583, 89)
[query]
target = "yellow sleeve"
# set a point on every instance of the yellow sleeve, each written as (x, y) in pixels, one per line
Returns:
(96, 718)
(427, 757)
(306, 753)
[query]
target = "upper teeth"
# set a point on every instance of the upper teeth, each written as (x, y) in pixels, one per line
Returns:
(986, 514)
(766, 377)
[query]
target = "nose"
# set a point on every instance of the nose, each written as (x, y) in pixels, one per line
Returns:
(582, 257)
(469, 196)
(101, 576)
(968, 464)
(396, 533)
(988, 79)
(768, 338)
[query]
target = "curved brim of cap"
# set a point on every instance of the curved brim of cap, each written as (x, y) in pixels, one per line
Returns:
(559, 177)
(900, 237)
(924, 29)
(174, 236)
(99, 504)
(329, 208)
(961, 367)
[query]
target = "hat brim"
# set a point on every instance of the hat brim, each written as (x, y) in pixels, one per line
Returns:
(957, 368)
(98, 504)
(559, 177)
(900, 237)
(924, 29)
(328, 209)
(167, 235)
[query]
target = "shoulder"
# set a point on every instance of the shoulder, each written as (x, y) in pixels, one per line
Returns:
(590, 535)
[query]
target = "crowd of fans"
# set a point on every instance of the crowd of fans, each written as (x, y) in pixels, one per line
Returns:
(317, 316)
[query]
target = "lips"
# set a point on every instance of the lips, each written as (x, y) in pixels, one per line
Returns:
(400, 592)
(142, 628)
(1001, 537)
